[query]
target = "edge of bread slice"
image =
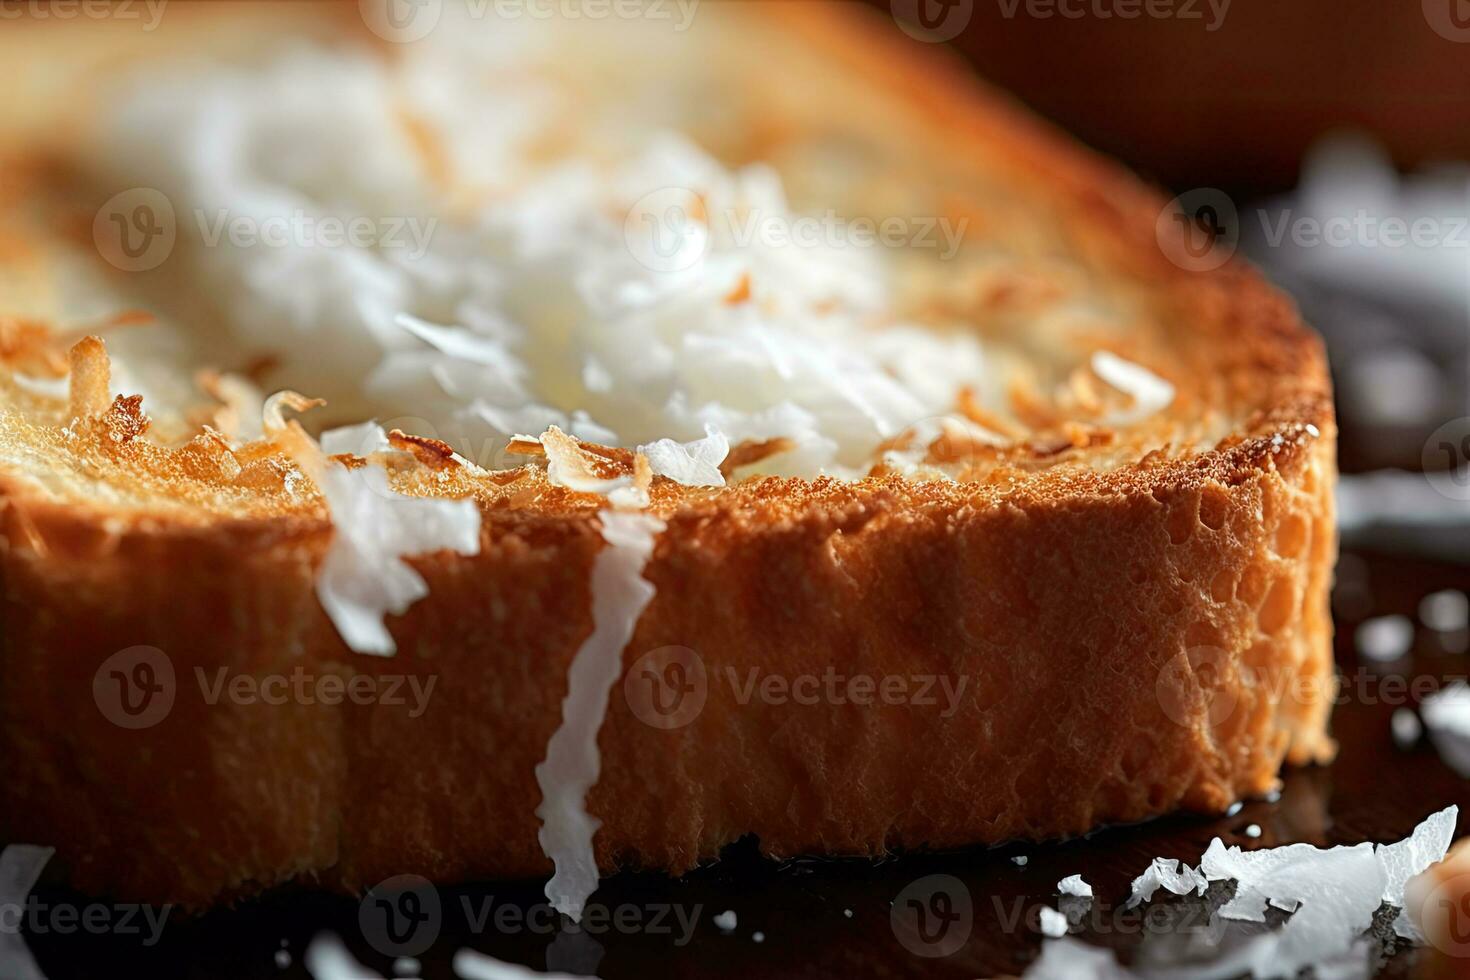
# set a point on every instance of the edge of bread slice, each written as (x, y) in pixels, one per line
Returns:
(1115, 643)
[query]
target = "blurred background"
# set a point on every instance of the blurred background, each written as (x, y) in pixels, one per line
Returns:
(1330, 143)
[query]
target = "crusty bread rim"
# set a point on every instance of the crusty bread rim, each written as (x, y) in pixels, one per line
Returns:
(1284, 444)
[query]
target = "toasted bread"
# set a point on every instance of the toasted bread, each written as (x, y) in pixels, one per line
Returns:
(1130, 612)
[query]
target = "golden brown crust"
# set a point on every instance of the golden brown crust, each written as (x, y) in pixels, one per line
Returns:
(1132, 640)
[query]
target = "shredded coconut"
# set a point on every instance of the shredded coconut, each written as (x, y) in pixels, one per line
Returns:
(1151, 394)
(327, 959)
(726, 920)
(694, 464)
(1074, 885)
(364, 576)
(1406, 728)
(1168, 874)
(1445, 611)
(1053, 923)
(572, 763)
(1446, 715)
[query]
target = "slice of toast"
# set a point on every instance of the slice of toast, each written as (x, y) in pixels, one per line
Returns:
(1112, 611)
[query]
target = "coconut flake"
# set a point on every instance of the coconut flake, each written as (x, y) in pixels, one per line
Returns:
(1151, 394)
(1168, 874)
(1075, 886)
(694, 464)
(470, 965)
(362, 439)
(364, 577)
(1072, 959)
(1406, 727)
(567, 465)
(327, 959)
(20, 869)
(1446, 715)
(1053, 923)
(1385, 638)
(726, 920)
(572, 763)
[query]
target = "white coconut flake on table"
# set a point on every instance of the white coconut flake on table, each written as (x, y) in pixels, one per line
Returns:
(1052, 922)
(726, 921)
(1445, 611)
(1385, 638)
(1427, 845)
(1446, 715)
(572, 764)
(1332, 896)
(328, 959)
(1406, 728)
(1075, 886)
(470, 965)
(20, 868)
(1072, 959)
(1166, 873)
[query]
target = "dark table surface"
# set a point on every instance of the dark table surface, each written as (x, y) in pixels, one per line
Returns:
(834, 918)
